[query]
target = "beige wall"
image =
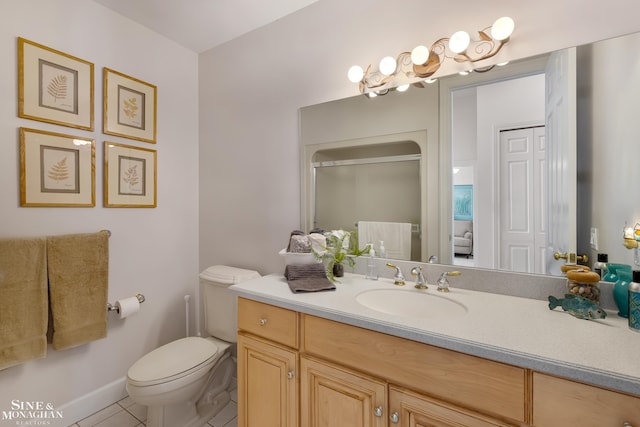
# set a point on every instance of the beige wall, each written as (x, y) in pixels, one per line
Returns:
(252, 88)
(153, 251)
(608, 144)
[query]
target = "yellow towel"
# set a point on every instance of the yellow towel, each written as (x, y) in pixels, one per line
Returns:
(23, 300)
(78, 283)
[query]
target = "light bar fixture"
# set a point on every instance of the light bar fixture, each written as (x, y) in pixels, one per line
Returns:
(422, 62)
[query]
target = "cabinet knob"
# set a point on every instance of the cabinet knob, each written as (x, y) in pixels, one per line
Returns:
(290, 375)
(378, 411)
(627, 424)
(395, 418)
(263, 322)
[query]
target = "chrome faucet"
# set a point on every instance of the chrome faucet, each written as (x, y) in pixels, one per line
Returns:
(443, 283)
(421, 282)
(398, 279)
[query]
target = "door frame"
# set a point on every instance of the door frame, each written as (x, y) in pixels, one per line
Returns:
(448, 84)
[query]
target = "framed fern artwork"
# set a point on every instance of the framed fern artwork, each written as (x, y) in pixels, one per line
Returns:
(129, 108)
(54, 87)
(129, 176)
(56, 169)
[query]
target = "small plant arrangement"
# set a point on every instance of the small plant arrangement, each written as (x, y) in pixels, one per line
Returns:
(341, 248)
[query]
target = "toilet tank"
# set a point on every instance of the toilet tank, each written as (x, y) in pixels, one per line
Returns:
(220, 304)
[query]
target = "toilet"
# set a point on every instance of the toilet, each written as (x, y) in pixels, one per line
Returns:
(185, 383)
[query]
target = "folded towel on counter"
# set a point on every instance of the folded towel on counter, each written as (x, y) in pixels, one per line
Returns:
(23, 295)
(298, 242)
(307, 278)
(78, 282)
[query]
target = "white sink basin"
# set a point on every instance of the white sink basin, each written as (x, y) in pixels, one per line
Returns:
(409, 303)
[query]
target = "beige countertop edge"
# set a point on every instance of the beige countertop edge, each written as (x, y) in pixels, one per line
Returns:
(600, 353)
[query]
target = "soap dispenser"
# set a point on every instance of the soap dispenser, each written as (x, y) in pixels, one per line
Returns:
(634, 302)
(382, 252)
(600, 266)
(372, 270)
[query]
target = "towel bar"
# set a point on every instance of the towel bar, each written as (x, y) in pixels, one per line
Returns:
(112, 307)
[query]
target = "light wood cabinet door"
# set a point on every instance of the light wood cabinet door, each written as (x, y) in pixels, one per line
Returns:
(332, 396)
(267, 384)
(560, 402)
(409, 409)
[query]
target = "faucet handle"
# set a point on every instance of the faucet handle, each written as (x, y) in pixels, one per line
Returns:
(443, 283)
(421, 283)
(398, 279)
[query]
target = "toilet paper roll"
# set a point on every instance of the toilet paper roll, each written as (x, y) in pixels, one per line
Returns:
(127, 307)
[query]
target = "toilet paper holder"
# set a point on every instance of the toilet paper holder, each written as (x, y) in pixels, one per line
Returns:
(113, 307)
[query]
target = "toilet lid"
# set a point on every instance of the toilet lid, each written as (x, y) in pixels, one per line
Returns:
(173, 360)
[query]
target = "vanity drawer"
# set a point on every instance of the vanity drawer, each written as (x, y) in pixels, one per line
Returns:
(268, 321)
(557, 401)
(485, 386)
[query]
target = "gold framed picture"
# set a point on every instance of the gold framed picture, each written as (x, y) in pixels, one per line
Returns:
(56, 169)
(129, 176)
(129, 108)
(54, 87)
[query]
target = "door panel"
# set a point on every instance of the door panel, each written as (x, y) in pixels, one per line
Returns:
(561, 156)
(332, 396)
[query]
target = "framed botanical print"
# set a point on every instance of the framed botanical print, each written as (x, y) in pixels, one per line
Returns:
(54, 87)
(129, 176)
(56, 169)
(129, 108)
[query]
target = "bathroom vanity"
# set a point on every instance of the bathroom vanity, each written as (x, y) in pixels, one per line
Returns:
(468, 358)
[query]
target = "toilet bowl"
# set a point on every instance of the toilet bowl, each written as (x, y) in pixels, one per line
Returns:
(185, 383)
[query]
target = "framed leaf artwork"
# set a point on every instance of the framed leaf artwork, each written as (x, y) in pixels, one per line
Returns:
(129, 108)
(56, 169)
(54, 87)
(129, 176)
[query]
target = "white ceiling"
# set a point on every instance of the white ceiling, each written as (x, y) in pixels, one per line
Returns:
(200, 25)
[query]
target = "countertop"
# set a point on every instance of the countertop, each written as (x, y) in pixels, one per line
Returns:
(519, 331)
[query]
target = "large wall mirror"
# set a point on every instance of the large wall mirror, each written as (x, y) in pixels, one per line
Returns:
(481, 166)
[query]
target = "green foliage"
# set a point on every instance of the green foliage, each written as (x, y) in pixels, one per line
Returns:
(334, 251)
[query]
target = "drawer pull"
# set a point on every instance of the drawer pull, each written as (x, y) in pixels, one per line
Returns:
(378, 411)
(290, 375)
(263, 322)
(395, 418)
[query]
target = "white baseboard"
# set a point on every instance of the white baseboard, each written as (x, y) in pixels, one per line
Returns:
(94, 401)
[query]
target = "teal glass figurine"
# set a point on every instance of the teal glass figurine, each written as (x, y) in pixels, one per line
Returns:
(621, 291)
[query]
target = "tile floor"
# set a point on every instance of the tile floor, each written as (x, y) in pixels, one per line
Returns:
(126, 413)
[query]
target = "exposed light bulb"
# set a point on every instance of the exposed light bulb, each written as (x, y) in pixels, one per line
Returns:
(387, 65)
(402, 88)
(459, 42)
(419, 55)
(355, 74)
(502, 28)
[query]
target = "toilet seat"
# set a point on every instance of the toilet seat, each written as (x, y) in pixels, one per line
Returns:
(175, 360)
